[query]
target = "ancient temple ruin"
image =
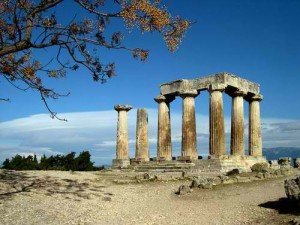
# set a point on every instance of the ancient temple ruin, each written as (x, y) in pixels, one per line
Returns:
(238, 88)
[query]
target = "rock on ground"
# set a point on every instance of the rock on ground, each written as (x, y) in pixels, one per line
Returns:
(292, 188)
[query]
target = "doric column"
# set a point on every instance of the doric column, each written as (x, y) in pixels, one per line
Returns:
(142, 145)
(164, 143)
(255, 140)
(237, 123)
(122, 153)
(217, 145)
(189, 136)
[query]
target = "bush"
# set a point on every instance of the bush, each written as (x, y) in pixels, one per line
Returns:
(260, 167)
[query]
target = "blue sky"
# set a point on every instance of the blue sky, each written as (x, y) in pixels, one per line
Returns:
(257, 40)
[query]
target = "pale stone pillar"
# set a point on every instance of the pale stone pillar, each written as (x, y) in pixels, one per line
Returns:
(122, 153)
(217, 146)
(189, 135)
(255, 139)
(237, 124)
(164, 143)
(142, 144)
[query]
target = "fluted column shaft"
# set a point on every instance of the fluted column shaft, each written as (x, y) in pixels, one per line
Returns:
(255, 139)
(237, 124)
(142, 144)
(122, 152)
(189, 136)
(217, 146)
(164, 143)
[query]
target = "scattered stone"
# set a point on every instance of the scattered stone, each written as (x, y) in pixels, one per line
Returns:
(233, 172)
(295, 221)
(260, 175)
(292, 188)
(297, 163)
(231, 180)
(183, 189)
(285, 170)
(148, 176)
(260, 167)
(267, 175)
(200, 182)
(285, 162)
(223, 178)
(106, 199)
(243, 179)
(274, 164)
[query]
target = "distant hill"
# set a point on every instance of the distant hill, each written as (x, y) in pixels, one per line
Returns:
(277, 152)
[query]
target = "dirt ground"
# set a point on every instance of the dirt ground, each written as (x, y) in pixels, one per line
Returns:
(55, 197)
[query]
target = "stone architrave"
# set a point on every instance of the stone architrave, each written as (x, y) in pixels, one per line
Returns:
(217, 146)
(142, 144)
(255, 139)
(237, 124)
(122, 153)
(164, 143)
(189, 135)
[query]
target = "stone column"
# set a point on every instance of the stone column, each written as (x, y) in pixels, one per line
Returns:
(189, 135)
(255, 140)
(217, 145)
(164, 144)
(237, 123)
(142, 145)
(122, 153)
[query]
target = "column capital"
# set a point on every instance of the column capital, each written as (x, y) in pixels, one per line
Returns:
(188, 93)
(257, 97)
(163, 98)
(239, 93)
(216, 87)
(122, 107)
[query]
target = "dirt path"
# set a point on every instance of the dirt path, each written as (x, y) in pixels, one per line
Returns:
(39, 197)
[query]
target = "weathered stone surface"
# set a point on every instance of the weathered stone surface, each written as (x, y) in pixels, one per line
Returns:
(201, 182)
(233, 172)
(292, 188)
(164, 144)
(122, 107)
(285, 162)
(149, 176)
(237, 124)
(202, 83)
(260, 167)
(142, 144)
(259, 175)
(255, 140)
(122, 135)
(189, 136)
(183, 190)
(297, 163)
(295, 221)
(274, 164)
(216, 122)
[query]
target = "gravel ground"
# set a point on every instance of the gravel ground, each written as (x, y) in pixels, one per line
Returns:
(55, 197)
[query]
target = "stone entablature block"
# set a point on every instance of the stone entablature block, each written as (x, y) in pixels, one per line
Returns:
(230, 81)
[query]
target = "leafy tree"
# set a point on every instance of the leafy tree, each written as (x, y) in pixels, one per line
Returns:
(44, 165)
(27, 25)
(58, 162)
(69, 161)
(83, 162)
(6, 164)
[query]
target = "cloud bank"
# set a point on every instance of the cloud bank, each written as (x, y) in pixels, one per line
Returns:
(96, 131)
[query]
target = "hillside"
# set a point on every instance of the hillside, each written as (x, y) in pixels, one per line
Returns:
(275, 153)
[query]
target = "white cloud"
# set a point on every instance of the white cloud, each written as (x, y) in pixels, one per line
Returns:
(96, 131)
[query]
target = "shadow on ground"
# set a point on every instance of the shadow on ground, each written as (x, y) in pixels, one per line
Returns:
(283, 206)
(16, 182)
